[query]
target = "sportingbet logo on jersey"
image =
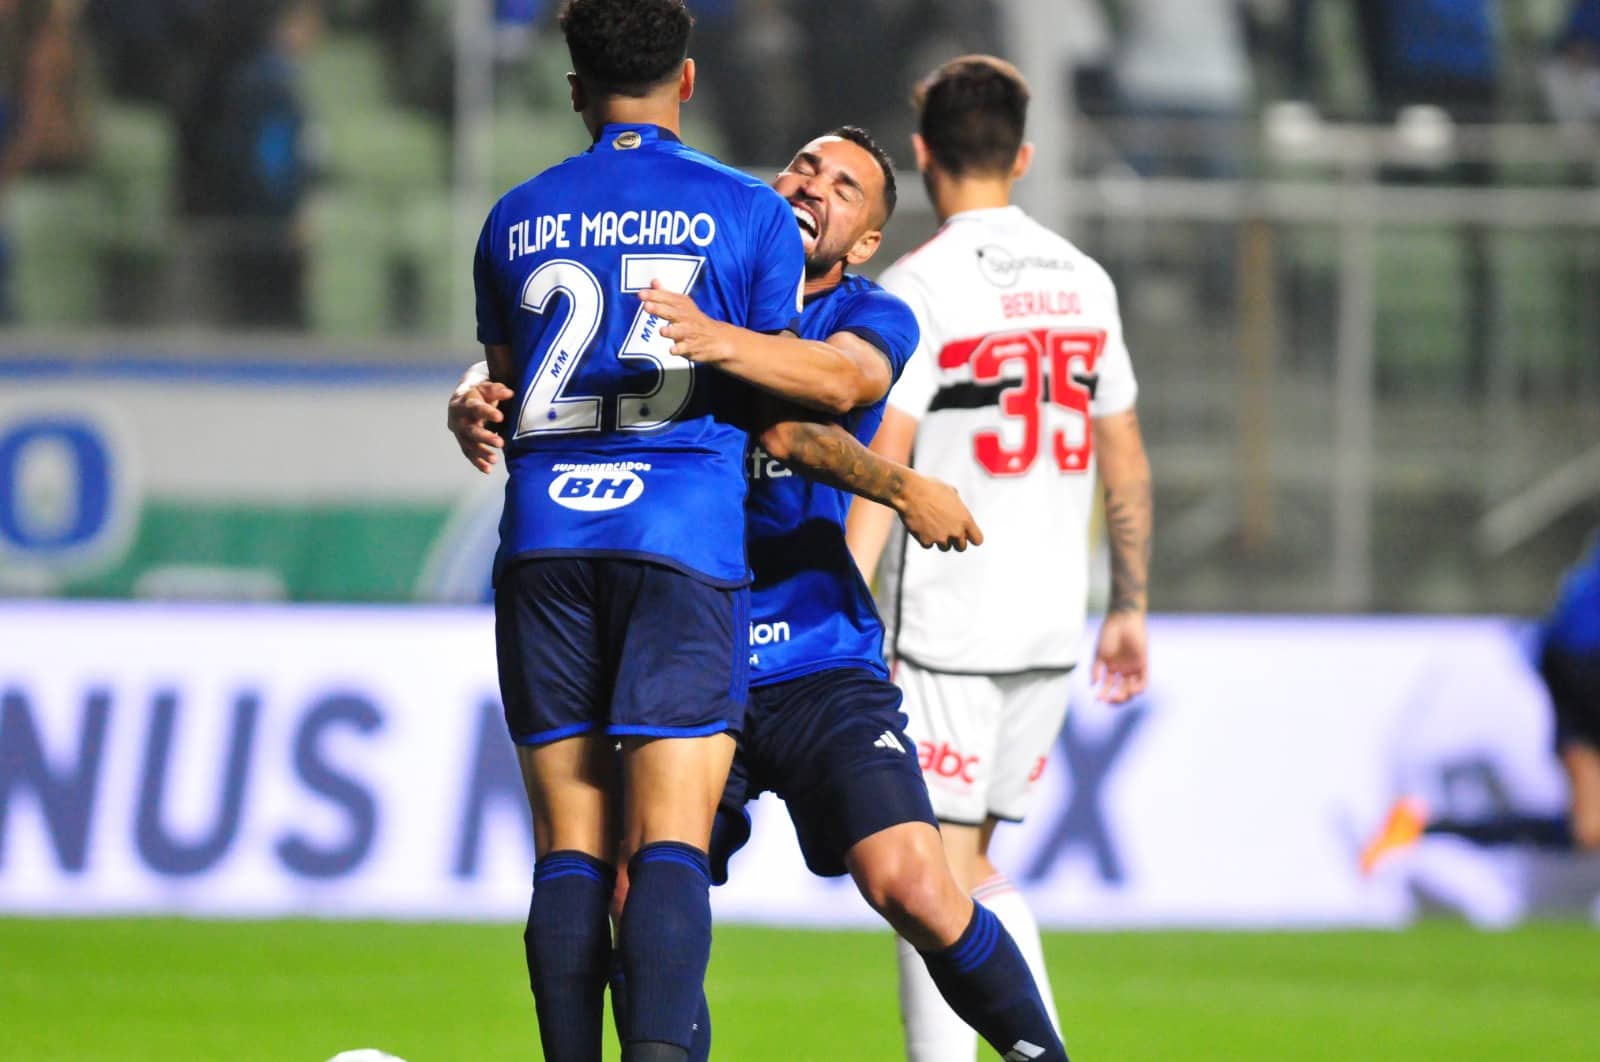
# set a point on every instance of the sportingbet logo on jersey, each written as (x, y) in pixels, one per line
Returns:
(597, 488)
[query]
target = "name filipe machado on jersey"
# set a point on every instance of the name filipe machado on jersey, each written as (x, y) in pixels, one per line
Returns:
(611, 228)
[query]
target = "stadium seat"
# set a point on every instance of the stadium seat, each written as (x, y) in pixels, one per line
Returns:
(526, 142)
(56, 229)
(436, 264)
(133, 167)
(387, 151)
(1536, 274)
(351, 258)
(343, 73)
(1422, 318)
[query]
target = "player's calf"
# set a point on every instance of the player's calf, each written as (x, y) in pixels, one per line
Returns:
(568, 948)
(972, 960)
(986, 981)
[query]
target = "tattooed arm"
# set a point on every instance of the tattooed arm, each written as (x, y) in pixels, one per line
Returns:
(1121, 659)
(932, 510)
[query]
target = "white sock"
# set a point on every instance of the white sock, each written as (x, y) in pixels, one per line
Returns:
(1006, 903)
(933, 1031)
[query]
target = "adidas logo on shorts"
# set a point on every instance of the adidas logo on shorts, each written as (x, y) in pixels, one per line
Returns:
(887, 740)
(1023, 1051)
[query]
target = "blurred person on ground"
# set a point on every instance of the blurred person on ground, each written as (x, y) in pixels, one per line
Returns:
(44, 126)
(244, 161)
(1569, 663)
(1022, 387)
(823, 728)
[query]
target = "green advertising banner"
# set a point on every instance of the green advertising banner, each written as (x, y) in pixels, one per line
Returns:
(175, 479)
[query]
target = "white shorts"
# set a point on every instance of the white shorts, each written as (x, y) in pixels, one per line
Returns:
(983, 740)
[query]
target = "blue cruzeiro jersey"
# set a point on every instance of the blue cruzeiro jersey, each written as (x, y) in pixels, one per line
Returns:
(616, 447)
(1573, 625)
(810, 608)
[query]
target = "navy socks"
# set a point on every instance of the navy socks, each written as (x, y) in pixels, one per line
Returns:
(665, 944)
(1552, 833)
(699, 1050)
(568, 946)
(986, 981)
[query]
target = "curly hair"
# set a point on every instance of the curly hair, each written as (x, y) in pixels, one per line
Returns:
(626, 47)
(864, 140)
(972, 113)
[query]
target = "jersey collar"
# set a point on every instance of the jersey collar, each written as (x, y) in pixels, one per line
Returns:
(623, 136)
(816, 297)
(986, 212)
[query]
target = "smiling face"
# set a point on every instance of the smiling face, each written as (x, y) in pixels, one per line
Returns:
(836, 189)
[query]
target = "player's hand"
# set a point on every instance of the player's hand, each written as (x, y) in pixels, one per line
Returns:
(472, 410)
(935, 516)
(694, 335)
(1121, 660)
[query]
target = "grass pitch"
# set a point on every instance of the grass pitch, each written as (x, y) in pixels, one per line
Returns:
(292, 991)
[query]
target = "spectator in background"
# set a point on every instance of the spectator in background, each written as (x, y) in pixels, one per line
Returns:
(1572, 77)
(1091, 55)
(1444, 54)
(43, 124)
(1188, 63)
(243, 160)
(852, 75)
(145, 47)
(1440, 52)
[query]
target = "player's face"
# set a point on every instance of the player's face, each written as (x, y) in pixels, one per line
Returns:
(836, 189)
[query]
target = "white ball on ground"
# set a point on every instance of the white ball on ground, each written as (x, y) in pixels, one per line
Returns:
(365, 1054)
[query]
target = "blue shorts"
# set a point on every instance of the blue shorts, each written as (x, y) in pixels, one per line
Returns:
(631, 648)
(1574, 683)
(833, 745)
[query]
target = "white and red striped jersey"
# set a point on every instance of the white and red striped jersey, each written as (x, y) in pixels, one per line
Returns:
(1021, 349)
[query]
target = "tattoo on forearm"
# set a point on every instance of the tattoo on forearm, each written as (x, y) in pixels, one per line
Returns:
(835, 457)
(1128, 519)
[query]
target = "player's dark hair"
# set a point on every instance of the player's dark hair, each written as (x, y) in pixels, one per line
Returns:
(972, 113)
(626, 47)
(864, 140)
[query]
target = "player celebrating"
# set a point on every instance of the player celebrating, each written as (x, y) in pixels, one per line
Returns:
(621, 606)
(824, 728)
(1023, 387)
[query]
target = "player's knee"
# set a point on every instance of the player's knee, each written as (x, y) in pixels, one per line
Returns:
(916, 897)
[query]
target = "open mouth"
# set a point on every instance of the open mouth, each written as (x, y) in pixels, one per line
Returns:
(806, 220)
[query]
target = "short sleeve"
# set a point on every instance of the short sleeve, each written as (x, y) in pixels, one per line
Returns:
(888, 324)
(1117, 389)
(918, 380)
(492, 330)
(777, 287)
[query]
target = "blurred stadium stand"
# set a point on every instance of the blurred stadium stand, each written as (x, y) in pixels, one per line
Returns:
(1369, 336)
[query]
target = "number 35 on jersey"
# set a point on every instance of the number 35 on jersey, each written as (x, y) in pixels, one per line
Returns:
(1034, 371)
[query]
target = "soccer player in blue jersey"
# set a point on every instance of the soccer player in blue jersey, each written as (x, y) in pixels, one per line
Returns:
(621, 600)
(1569, 663)
(823, 728)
